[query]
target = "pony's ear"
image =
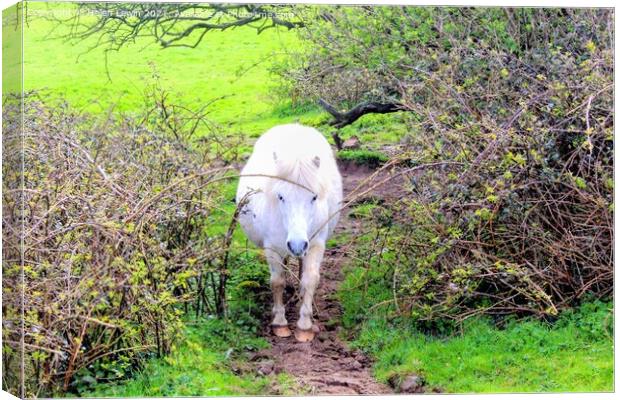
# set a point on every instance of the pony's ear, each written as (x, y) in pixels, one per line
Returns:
(317, 161)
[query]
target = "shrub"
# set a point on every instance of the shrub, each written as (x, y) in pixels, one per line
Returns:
(508, 205)
(116, 248)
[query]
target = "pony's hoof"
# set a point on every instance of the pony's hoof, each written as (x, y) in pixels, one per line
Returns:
(281, 331)
(304, 335)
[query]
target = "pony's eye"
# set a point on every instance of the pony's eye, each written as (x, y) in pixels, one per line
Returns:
(280, 197)
(314, 198)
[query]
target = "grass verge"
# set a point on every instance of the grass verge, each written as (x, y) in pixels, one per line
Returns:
(369, 158)
(575, 354)
(201, 366)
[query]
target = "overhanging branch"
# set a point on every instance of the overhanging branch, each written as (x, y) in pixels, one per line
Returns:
(171, 25)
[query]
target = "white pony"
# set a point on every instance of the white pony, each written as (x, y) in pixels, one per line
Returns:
(290, 191)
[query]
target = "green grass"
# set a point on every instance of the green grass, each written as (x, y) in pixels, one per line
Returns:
(198, 367)
(337, 239)
(372, 159)
(364, 210)
(11, 50)
(573, 355)
(221, 215)
(377, 130)
(232, 65)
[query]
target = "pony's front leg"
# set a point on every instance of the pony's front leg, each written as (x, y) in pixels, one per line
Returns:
(276, 266)
(309, 282)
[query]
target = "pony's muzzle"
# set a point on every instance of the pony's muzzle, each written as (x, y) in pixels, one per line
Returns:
(297, 247)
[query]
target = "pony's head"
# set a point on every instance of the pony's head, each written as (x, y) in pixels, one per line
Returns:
(299, 195)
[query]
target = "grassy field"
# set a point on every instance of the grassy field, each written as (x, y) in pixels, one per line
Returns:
(233, 66)
(11, 51)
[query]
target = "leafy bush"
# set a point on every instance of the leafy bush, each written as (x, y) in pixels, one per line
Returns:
(508, 201)
(116, 248)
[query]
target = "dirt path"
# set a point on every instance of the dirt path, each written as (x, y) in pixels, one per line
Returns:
(325, 365)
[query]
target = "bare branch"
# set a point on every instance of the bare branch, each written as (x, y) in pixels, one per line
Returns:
(170, 25)
(343, 119)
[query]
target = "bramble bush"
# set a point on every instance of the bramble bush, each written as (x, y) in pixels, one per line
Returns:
(508, 202)
(116, 216)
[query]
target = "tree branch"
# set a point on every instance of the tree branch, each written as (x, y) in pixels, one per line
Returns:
(343, 119)
(171, 25)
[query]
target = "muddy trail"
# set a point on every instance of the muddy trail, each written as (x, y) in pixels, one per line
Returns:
(326, 365)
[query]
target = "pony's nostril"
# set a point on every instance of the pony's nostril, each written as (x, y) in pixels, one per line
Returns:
(297, 247)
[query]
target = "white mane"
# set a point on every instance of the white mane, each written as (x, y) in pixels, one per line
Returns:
(291, 153)
(302, 172)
